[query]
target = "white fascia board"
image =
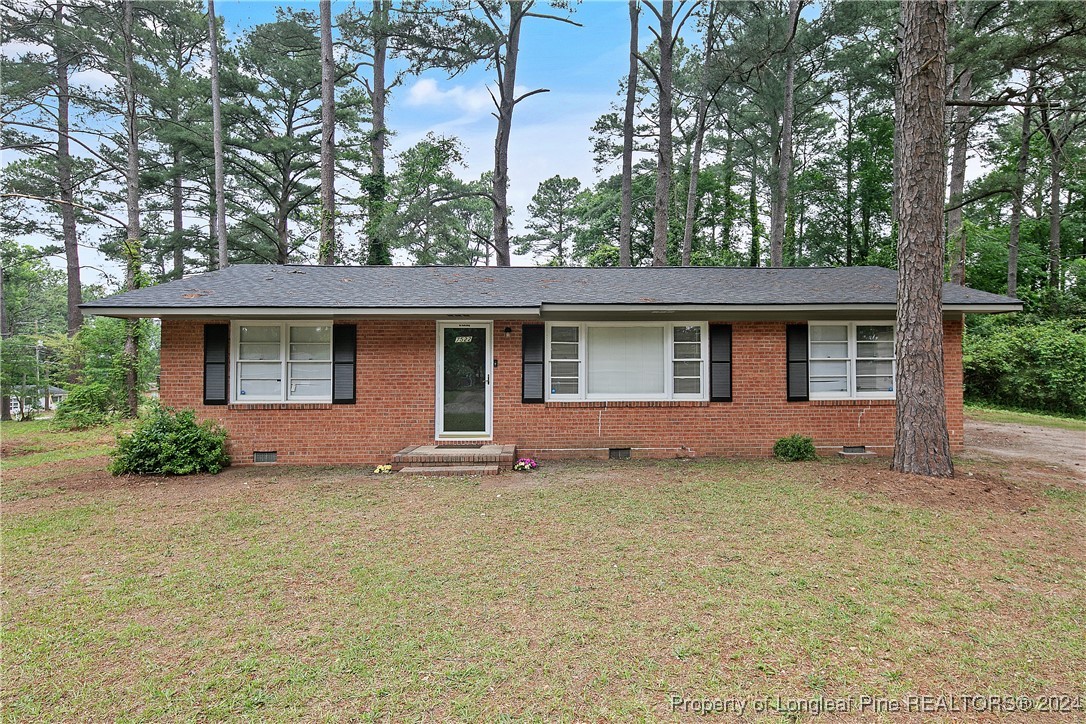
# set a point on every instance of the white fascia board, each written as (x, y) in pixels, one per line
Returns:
(311, 312)
(738, 308)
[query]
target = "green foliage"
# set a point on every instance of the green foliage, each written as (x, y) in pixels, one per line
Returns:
(170, 443)
(552, 221)
(1032, 366)
(87, 406)
(794, 448)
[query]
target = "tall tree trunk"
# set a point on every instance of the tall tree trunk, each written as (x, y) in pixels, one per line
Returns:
(784, 167)
(1054, 214)
(755, 224)
(700, 122)
(663, 152)
(1014, 234)
(506, 102)
(625, 221)
(922, 442)
(132, 251)
(64, 178)
(959, 155)
(377, 190)
(850, 192)
(5, 400)
(219, 226)
(328, 138)
(177, 201)
(729, 178)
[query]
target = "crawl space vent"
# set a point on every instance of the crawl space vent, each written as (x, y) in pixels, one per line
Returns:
(618, 453)
(267, 456)
(854, 449)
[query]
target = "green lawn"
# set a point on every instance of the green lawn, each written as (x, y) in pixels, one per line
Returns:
(995, 414)
(580, 591)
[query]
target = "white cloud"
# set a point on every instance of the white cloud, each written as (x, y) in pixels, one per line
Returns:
(14, 50)
(427, 93)
(92, 78)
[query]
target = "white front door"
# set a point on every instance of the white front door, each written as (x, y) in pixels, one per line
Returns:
(464, 390)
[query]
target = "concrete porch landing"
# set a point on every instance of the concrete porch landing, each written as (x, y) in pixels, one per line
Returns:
(483, 459)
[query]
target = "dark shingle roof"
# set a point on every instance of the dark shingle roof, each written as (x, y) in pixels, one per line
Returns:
(340, 287)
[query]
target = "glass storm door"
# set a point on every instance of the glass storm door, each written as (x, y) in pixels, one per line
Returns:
(464, 376)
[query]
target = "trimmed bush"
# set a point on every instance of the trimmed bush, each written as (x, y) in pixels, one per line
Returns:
(85, 406)
(170, 443)
(795, 447)
(1038, 366)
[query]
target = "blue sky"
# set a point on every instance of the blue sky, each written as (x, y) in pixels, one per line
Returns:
(581, 67)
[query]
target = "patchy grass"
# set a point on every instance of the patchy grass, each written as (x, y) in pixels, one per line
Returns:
(580, 591)
(995, 414)
(32, 453)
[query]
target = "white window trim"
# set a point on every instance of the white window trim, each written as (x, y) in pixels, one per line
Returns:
(284, 361)
(669, 359)
(852, 394)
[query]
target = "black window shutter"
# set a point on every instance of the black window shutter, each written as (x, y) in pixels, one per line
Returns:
(344, 343)
(216, 353)
(720, 362)
(797, 363)
(532, 343)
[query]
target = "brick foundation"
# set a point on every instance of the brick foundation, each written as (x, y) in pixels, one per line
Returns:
(396, 373)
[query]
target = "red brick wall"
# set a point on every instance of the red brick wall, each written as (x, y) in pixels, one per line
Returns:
(396, 406)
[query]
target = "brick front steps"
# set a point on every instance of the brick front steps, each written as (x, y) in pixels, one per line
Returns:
(488, 459)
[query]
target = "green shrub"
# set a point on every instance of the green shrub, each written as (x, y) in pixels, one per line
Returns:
(1039, 366)
(795, 447)
(170, 443)
(86, 406)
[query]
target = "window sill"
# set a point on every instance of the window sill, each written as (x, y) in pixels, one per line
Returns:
(627, 403)
(279, 406)
(857, 402)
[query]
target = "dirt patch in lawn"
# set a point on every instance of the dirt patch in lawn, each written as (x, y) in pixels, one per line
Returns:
(986, 485)
(1052, 446)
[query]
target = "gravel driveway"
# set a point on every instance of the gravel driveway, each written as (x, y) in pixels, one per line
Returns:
(1050, 445)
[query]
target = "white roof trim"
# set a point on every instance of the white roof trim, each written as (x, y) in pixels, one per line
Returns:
(509, 312)
(311, 312)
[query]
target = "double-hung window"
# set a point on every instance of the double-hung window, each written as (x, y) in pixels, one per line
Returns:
(283, 362)
(626, 361)
(851, 360)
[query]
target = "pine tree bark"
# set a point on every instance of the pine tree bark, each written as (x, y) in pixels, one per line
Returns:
(132, 252)
(784, 166)
(1056, 140)
(752, 210)
(700, 122)
(64, 177)
(506, 103)
(922, 443)
(219, 223)
(959, 155)
(625, 222)
(1017, 201)
(664, 155)
(377, 188)
(177, 201)
(328, 138)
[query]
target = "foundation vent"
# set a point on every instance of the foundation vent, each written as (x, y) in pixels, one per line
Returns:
(618, 453)
(267, 456)
(854, 449)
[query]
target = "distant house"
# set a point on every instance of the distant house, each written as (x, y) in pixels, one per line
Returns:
(348, 365)
(35, 398)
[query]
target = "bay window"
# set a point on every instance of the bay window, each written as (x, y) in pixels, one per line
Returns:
(283, 362)
(851, 360)
(625, 361)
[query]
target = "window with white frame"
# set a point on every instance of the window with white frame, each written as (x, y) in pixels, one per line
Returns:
(851, 360)
(626, 361)
(283, 362)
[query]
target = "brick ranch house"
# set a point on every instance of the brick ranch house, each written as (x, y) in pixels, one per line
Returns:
(349, 365)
